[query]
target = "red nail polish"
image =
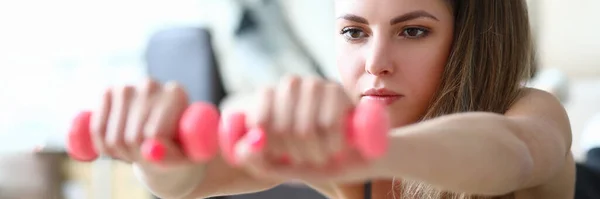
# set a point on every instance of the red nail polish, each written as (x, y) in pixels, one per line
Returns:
(256, 139)
(153, 151)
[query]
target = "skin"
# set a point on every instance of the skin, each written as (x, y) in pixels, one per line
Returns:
(525, 151)
(407, 57)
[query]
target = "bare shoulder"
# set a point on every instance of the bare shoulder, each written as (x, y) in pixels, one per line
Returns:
(537, 101)
(545, 109)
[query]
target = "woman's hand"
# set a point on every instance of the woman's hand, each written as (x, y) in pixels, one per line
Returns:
(304, 123)
(129, 115)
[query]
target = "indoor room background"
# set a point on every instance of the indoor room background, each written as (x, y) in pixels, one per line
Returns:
(57, 56)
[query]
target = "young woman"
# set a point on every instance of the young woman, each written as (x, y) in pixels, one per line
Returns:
(449, 72)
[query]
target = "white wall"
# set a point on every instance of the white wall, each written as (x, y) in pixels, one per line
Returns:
(570, 36)
(57, 56)
(314, 22)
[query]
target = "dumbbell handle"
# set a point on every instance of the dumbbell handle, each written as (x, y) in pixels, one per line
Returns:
(199, 133)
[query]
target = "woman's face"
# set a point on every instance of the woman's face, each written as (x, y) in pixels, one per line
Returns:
(393, 51)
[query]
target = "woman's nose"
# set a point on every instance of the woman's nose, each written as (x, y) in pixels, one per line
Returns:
(379, 61)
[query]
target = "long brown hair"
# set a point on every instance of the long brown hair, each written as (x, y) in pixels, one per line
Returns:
(491, 54)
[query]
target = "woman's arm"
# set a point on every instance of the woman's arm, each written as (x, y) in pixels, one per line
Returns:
(222, 179)
(485, 153)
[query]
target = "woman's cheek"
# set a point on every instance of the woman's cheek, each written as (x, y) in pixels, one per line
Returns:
(349, 66)
(425, 78)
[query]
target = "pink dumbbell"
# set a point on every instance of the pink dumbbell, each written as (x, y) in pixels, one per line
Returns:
(199, 133)
(366, 130)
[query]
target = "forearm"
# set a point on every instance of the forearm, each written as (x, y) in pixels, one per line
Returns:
(170, 185)
(223, 180)
(213, 179)
(470, 152)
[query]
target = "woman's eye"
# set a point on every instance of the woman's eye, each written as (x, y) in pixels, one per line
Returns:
(414, 33)
(353, 33)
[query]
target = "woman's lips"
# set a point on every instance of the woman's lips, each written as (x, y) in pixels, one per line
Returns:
(381, 95)
(385, 99)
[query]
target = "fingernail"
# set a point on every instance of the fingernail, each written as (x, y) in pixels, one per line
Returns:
(256, 139)
(253, 142)
(153, 151)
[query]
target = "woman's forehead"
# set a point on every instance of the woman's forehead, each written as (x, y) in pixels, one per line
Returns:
(386, 9)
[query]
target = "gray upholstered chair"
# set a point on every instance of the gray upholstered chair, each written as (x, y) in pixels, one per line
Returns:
(186, 56)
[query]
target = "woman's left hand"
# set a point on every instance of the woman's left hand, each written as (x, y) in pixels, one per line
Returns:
(303, 122)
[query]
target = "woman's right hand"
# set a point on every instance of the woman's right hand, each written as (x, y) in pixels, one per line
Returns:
(129, 115)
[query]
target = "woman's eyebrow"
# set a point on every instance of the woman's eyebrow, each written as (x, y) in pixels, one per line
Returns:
(412, 15)
(355, 18)
(399, 19)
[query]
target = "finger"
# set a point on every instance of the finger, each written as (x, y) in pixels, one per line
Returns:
(233, 128)
(263, 118)
(115, 134)
(306, 125)
(286, 100)
(99, 120)
(336, 107)
(142, 106)
(284, 117)
(249, 153)
(163, 121)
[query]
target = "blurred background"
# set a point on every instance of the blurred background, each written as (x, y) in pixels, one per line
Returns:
(56, 57)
